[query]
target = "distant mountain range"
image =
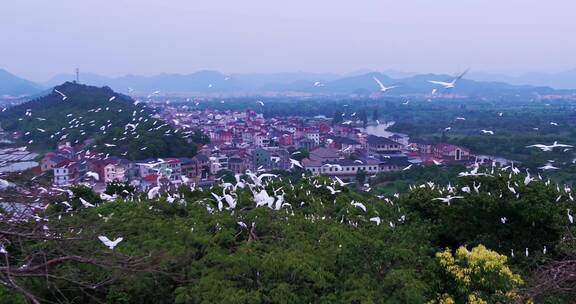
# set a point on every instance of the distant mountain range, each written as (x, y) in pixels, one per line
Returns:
(202, 81)
(360, 83)
(207, 82)
(15, 86)
(563, 80)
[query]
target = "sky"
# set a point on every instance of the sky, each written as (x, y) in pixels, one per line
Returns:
(43, 38)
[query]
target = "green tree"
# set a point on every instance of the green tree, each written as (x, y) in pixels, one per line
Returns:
(477, 276)
(364, 118)
(121, 189)
(337, 118)
(226, 176)
(361, 176)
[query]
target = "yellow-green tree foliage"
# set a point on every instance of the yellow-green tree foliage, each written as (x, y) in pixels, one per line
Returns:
(476, 276)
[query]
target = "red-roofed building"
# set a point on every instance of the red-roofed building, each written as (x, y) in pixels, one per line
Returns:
(448, 152)
(50, 160)
(324, 128)
(223, 136)
(286, 140)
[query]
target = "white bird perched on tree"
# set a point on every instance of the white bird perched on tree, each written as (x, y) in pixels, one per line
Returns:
(152, 193)
(280, 202)
(359, 205)
(219, 200)
(86, 204)
(407, 168)
(108, 243)
(511, 188)
(449, 85)
(570, 218)
(528, 178)
(106, 218)
(383, 88)
(476, 188)
(376, 220)
(230, 200)
(262, 198)
(112, 98)
(332, 190)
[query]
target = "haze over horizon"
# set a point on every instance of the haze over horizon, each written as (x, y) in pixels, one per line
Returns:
(115, 38)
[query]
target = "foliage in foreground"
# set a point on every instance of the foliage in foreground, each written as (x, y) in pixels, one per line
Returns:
(477, 276)
(318, 249)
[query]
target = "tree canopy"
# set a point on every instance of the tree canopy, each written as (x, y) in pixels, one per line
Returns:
(312, 246)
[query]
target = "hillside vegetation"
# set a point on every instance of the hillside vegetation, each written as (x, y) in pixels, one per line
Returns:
(108, 122)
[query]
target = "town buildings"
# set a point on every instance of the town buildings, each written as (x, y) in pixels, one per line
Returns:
(243, 141)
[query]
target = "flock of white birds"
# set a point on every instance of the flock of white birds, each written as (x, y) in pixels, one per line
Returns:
(226, 199)
(131, 129)
(264, 194)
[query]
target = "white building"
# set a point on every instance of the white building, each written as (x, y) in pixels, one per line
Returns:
(66, 173)
(114, 173)
(218, 162)
(343, 167)
(315, 136)
(261, 140)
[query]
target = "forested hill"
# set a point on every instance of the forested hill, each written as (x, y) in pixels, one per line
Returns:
(108, 121)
